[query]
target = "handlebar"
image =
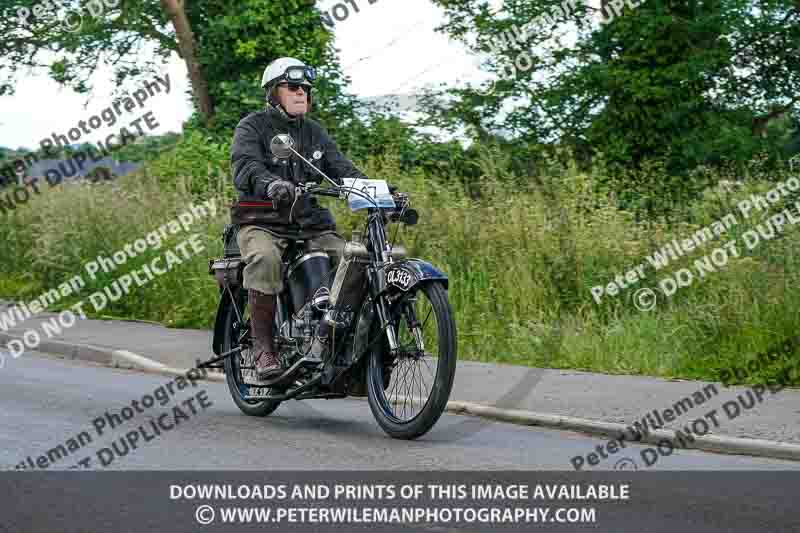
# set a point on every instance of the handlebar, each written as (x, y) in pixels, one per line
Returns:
(334, 192)
(401, 213)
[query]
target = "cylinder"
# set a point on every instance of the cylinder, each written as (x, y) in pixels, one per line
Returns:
(306, 274)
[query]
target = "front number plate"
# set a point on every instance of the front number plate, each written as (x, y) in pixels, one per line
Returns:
(401, 279)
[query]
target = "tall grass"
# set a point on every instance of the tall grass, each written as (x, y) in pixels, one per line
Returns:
(521, 263)
(51, 239)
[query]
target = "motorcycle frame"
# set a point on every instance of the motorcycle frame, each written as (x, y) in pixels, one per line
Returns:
(377, 304)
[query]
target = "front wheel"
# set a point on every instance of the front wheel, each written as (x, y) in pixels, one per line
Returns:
(408, 390)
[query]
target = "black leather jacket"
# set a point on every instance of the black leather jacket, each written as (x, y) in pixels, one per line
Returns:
(254, 168)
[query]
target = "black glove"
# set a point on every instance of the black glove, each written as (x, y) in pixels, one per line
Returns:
(281, 192)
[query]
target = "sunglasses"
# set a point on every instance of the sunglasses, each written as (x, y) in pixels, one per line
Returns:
(294, 87)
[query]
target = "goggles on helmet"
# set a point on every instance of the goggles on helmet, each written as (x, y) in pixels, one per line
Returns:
(298, 74)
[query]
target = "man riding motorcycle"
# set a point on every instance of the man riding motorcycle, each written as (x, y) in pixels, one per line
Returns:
(268, 212)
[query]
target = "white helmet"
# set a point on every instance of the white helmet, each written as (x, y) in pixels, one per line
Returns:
(287, 69)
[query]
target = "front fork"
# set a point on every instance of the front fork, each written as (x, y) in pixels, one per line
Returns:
(382, 306)
(383, 315)
(381, 258)
(414, 325)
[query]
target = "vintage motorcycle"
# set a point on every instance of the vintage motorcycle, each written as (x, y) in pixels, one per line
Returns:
(389, 318)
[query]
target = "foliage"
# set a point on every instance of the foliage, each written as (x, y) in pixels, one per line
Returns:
(688, 82)
(146, 147)
(132, 36)
(201, 160)
(199, 164)
(522, 264)
(608, 148)
(235, 42)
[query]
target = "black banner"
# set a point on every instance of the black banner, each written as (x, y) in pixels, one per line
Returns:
(181, 501)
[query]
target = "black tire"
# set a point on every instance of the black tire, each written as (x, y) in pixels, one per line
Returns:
(378, 364)
(232, 367)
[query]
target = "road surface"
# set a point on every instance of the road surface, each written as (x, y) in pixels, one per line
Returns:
(47, 401)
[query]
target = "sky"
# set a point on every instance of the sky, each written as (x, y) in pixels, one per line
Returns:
(388, 47)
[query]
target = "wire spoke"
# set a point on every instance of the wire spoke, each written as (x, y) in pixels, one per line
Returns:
(398, 378)
(422, 328)
(403, 384)
(424, 360)
(409, 376)
(421, 382)
(411, 386)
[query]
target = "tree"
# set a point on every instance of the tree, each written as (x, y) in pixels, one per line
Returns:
(187, 46)
(225, 47)
(691, 81)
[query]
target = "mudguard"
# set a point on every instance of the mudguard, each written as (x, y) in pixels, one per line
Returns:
(401, 276)
(406, 274)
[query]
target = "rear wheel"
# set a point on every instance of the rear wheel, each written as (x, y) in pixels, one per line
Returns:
(408, 391)
(239, 366)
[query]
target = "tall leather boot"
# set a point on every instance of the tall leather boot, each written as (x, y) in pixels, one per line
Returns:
(262, 326)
